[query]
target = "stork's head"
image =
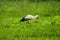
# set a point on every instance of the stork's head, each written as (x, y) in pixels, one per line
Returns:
(37, 16)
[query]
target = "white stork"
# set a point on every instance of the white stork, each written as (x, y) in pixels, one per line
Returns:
(28, 17)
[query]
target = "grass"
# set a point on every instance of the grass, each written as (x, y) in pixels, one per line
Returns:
(47, 27)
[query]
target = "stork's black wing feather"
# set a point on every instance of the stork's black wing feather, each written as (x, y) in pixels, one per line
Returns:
(23, 19)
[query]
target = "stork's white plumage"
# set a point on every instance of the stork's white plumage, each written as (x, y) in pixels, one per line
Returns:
(28, 17)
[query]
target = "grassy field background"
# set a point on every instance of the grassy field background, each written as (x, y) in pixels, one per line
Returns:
(47, 27)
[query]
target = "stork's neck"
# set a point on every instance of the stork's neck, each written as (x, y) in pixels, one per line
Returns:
(36, 16)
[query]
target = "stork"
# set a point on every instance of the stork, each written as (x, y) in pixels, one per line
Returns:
(29, 17)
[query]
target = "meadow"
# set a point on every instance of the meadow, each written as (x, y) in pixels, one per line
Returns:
(47, 27)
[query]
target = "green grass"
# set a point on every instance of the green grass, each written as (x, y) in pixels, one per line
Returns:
(47, 27)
